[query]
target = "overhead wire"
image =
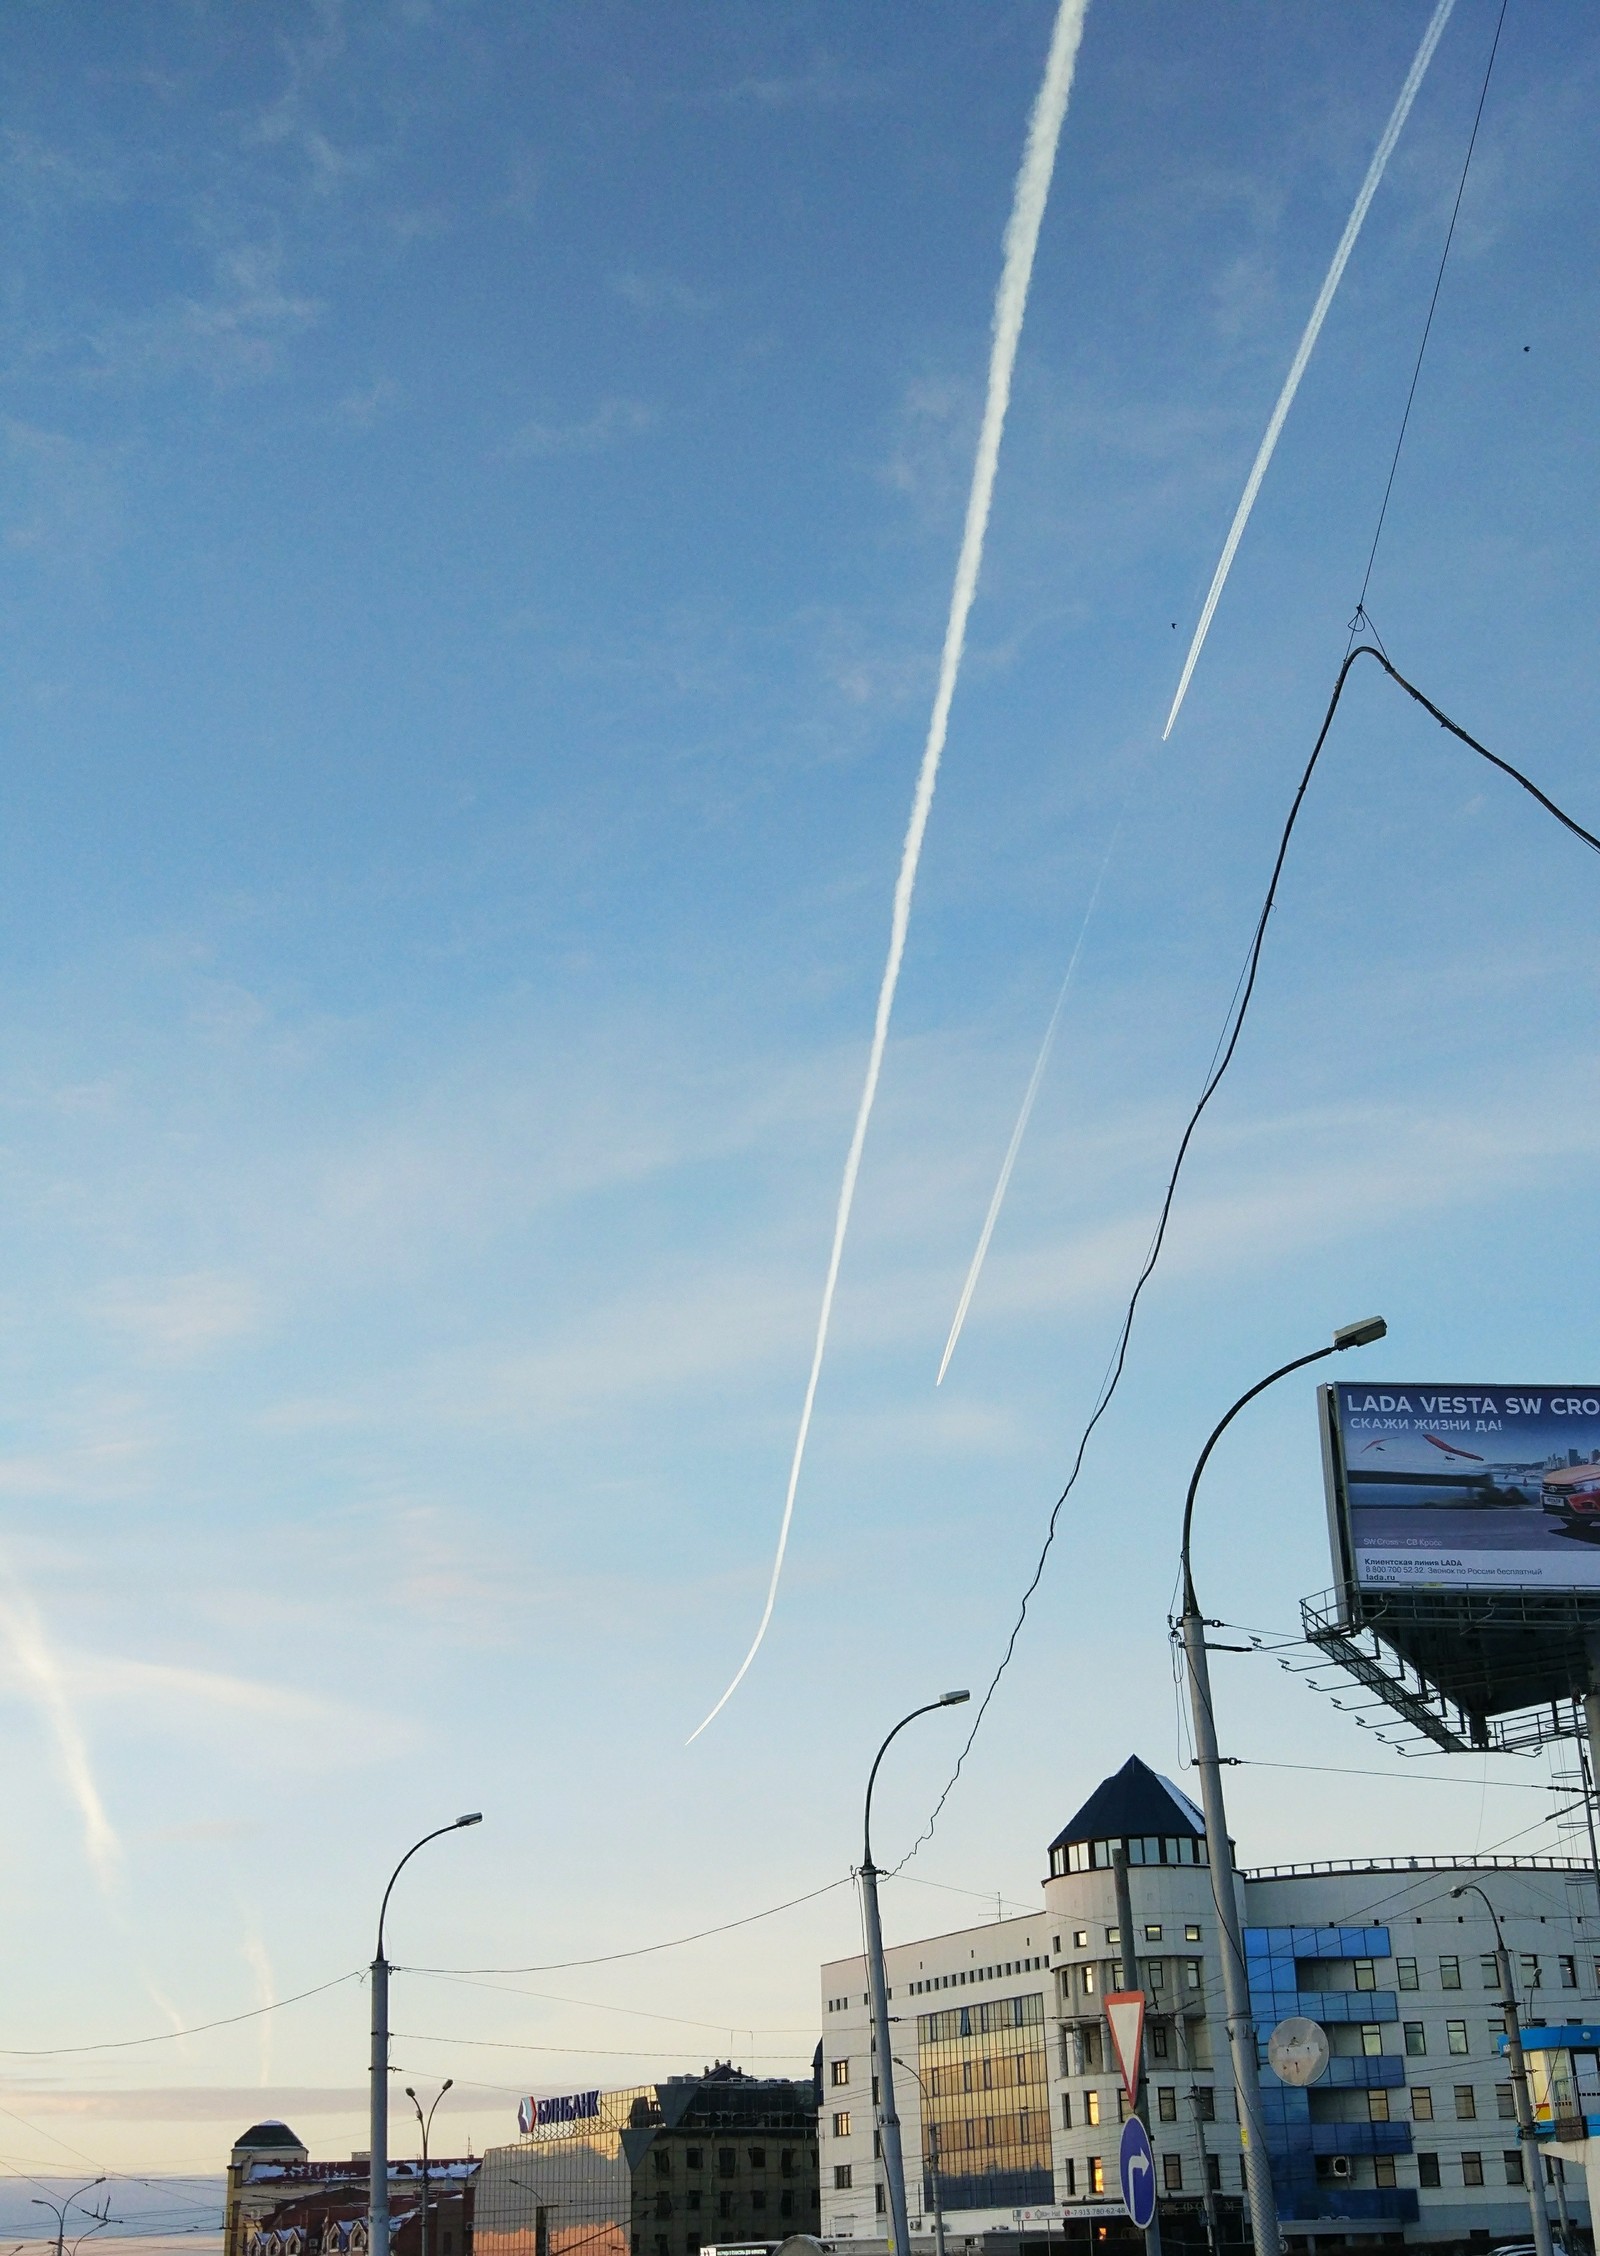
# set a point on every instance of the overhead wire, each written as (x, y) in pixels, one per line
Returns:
(645, 1950)
(1233, 1027)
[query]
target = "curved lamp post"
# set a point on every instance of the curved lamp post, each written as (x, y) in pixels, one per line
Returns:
(1219, 1850)
(933, 2153)
(426, 2122)
(378, 2161)
(1519, 2074)
(58, 2209)
(894, 2168)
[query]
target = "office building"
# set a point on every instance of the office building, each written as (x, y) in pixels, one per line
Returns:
(280, 2203)
(1008, 2090)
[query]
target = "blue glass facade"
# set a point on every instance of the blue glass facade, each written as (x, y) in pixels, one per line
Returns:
(1287, 1969)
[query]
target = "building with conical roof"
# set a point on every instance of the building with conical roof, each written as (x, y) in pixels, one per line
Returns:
(1008, 2089)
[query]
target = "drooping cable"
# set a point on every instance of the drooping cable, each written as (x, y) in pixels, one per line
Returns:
(1360, 616)
(1233, 1027)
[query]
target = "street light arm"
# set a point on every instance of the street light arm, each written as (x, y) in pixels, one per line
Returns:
(437, 1834)
(945, 1700)
(1217, 1432)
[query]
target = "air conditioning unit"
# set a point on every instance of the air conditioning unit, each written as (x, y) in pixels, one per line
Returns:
(1339, 2167)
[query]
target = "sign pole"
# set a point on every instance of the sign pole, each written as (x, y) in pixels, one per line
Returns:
(1133, 2070)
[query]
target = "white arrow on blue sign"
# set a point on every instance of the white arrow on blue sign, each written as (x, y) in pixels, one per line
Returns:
(1136, 2166)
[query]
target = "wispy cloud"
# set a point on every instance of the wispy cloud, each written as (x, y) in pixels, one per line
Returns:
(180, 1319)
(234, 334)
(255, 1957)
(611, 423)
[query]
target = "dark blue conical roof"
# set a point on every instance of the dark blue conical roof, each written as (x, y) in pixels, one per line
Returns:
(1134, 1800)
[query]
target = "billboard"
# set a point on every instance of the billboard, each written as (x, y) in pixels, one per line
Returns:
(1441, 1487)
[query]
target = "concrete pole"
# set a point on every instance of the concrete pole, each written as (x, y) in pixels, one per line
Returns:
(888, 2122)
(1207, 2190)
(1235, 1984)
(1531, 2158)
(1569, 2246)
(378, 2137)
(1131, 1981)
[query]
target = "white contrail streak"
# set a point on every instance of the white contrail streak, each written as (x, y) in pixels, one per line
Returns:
(1313, 329)
(1021, 241)
(1020, 1130)
(42, 1674)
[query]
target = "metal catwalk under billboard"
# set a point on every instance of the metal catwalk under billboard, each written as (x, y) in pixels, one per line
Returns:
(1464, 1487)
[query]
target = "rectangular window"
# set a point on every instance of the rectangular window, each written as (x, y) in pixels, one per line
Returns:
(724, 2161)
(1405, 1972)
(758, 2199)
(662, 2157)
(1066, 2111)
(691, 2199)
(1569, 1973)
(1505, 2102)
(1072, 2175)
(1091, 2107)
(1152, 1934)
(841, 2071)
(1427, 2169)
(1157, 1971)
(1166, 2103)
(1466, 2104)
(725, 2200)
(841, 2126)
(1122, 2103)
(1097, 2174)
(786, 2161)
(1530, 1969)
(1372, 2038)
(1455, 2036)
(1366, 1974)
(694, 2157)
(1159, 2047)
(1377, 2107)
(1497, 2028)
(1421, 2104)
(1513, 2162)
(1172, 2172)
(1080, 1938)
(1205, 2103)
(1471, 2169)
(877, 2197)
(1088, 1981)
(1214, 2172)
(1191, 1973)
(1191, 1933)
(1383, 2170)
(1489, 1971)
(1449, 1973)
(841, 2178)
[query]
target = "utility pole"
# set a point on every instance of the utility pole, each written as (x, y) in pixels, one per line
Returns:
(1131, 1981)
(1532, 2159)
(1208, 2192)
(932, 2129)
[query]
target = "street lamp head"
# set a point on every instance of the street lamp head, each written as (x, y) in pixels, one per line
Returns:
(445, 2086)
(473, 1817)
(953, 1699)
(410, 2094)
(1362, 1334)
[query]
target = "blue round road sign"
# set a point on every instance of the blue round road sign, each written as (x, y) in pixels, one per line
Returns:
(1136, 2166)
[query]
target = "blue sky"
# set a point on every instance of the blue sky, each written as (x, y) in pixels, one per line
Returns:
(478, 492)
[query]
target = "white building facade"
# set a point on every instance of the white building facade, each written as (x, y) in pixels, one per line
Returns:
(1009, 2095)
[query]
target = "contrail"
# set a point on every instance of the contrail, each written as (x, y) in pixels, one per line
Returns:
(41, 1672)
(1313, 329)
(1017, 1133)
(1021, 241)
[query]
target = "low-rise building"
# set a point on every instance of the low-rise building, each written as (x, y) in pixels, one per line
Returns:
(281, 2203)
(1008, 2090)
(661, 2169)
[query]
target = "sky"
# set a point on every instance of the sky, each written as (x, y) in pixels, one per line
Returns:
(479, 487)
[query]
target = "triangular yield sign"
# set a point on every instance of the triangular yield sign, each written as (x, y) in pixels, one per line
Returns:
(1125, 2012)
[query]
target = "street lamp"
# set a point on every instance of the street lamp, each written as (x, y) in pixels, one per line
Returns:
(894, 2168)
(1219, 1850)
(426, 2122)
(58, 2209)
(378, 2161)
(933, 2154)
(1519, 2074)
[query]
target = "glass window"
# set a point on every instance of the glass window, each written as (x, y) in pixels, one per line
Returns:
(1466, 2104)
(1191, 1973)
(1489, 1971)
(1366, 1974)
(1455, 2036)
(1152, 1934)
(1097, 2174)
(694, 2158)
(1172, 2172)
(1530, 1969)
(1421, 2104)
(1377, 2107)
(1205, 2103)
(1513, 2163)
(1113, 1938)
(662, 2157)
(1080, 1937)
(1159, 2048)
(1214, 2172)
(1505, 2101)
(1088, 1981)
(786, 2161)
(725, 2161)
(1471, 2169)
(1066, 2111)
(877, 2197)
(1405, 1970)
(841, 2071)
(1072, 2175)
(1156, 1968)
(841, 2126)
(1416, 2039)
(1569, 1973)
(1091, 2107)
(1166, 2103)
(1372, 2038)
(1449, 1973)
(1427, 2169)
(1383, 2170)
(841, 2177)
(1191, 1933)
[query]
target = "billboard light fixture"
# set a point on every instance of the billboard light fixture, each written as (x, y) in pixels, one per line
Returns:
(1360, 1335)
